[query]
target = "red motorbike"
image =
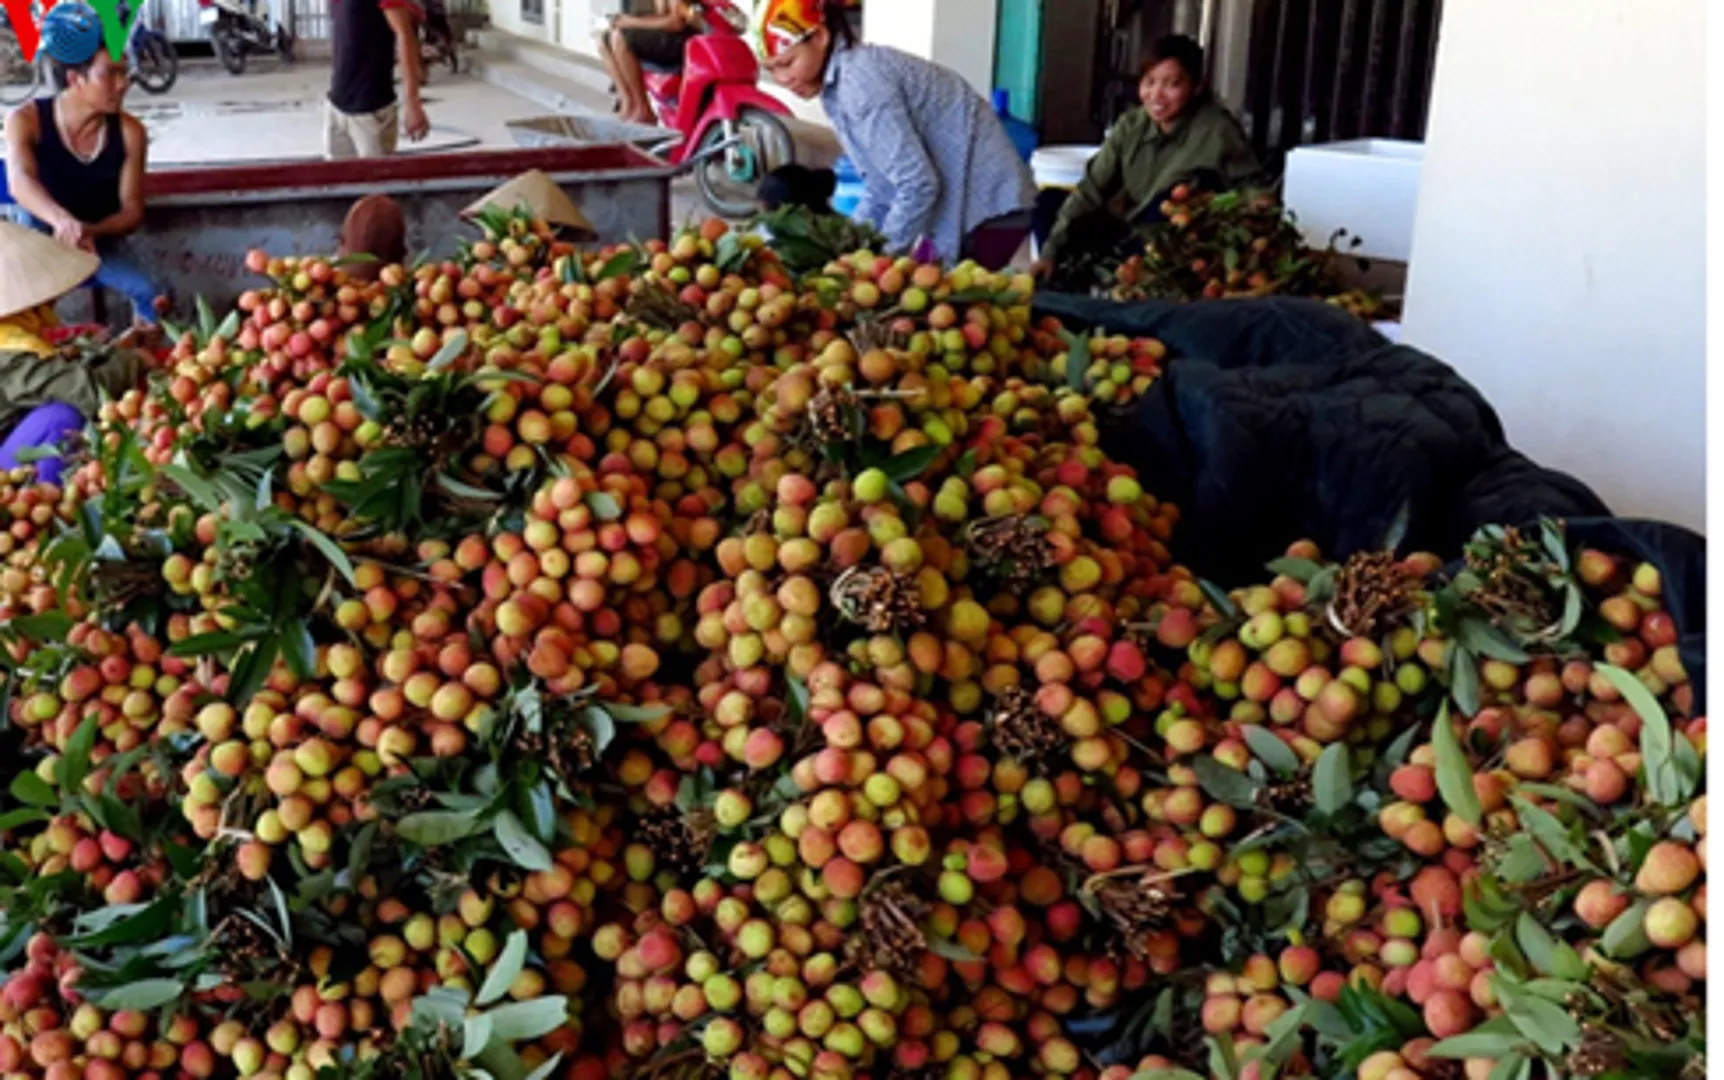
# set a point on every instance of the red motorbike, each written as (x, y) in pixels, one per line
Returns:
(733, 133)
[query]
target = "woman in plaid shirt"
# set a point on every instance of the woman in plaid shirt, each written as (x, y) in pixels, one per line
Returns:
(936, 163)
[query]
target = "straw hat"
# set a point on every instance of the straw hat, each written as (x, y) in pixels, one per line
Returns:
(543, 197)
(36, 269)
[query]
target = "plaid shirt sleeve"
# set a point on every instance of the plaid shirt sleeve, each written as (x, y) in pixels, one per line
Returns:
(934, 159)
(911, 181)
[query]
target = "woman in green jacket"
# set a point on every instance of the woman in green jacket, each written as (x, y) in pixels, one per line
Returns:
(1181, 135)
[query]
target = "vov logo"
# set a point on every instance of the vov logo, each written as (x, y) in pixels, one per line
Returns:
(26, 19)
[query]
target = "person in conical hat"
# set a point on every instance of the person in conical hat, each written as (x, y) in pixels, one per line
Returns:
(75, 161)
(43, 397)
(541, 197)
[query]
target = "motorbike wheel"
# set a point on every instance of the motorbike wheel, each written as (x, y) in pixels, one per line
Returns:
(157, 64)
(730, 179)
(229, 49)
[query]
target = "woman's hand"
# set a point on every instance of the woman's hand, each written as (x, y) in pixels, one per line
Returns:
(74, 233)
(1042, 269)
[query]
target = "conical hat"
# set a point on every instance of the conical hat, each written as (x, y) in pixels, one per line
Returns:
(542, 196)
(37, 269)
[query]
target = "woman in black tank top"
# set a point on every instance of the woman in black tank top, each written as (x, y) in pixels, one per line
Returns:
(89, 190)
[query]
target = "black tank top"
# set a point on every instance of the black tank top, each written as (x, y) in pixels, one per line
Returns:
(89, 190)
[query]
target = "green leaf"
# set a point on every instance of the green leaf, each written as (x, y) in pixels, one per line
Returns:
(1229, 785)
(1546, 1023)
(143, 995)
(1551, 834)
(504, 970)
(622, 264)
(520, 845)
(1523, 860)
(1077, 361)
(359, 857)
(1332, 779)
(32, 790)
(476, 1034)
(1300, 570)
(1218, 599)
(441, 1006)
(449, 353)
(466, 491)
(600, 726)
(1656, 744)
(136, 923)
(951, 950)
(200, 491)
(1223, 1061)
(75, 759)
(433, 828)
(48, 628)
(24, 815)
(1515, 1066)
(229, 327)
(1283, 1034)
(1454, 772)
(1464, 681)
(1167, 1073)
(604, 505)
(1398, 528)
(328, 548)
(1487, 639)
(298, 649)
(546, 1068)
(1491, 1039)
(1625, 937)
(217, 641)
(251, 669)
(636, 714)
(523, 1021)
(539, 812)
(912, 463)
(1270, 750)
(121, 818)
(1547, 954)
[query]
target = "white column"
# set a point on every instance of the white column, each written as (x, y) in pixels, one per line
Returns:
(956, 33)
(1559, 255)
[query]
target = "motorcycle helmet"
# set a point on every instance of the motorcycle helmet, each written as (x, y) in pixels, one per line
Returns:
(71, 33)
(779, 25)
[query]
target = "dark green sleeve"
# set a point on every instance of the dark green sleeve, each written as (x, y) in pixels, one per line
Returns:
(28, 380)
(1239, 164)
(1220, 146)
(1100, 183)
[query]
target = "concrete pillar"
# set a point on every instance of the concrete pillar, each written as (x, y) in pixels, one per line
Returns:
(959, 34)
(1559, 252)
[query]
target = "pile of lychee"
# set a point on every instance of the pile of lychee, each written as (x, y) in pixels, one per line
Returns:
(622, 663)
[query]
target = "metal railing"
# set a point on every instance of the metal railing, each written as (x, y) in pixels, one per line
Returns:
(1326, 70)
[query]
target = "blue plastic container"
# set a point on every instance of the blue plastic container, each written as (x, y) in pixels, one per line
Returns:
(849, 194)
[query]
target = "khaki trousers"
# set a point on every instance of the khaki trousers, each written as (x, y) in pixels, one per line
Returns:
(357, 135)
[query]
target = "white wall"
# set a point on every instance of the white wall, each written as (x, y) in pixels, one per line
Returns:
(1559, 253)
(957, 33)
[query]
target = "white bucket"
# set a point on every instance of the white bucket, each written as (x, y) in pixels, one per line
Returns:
(1061, 166)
